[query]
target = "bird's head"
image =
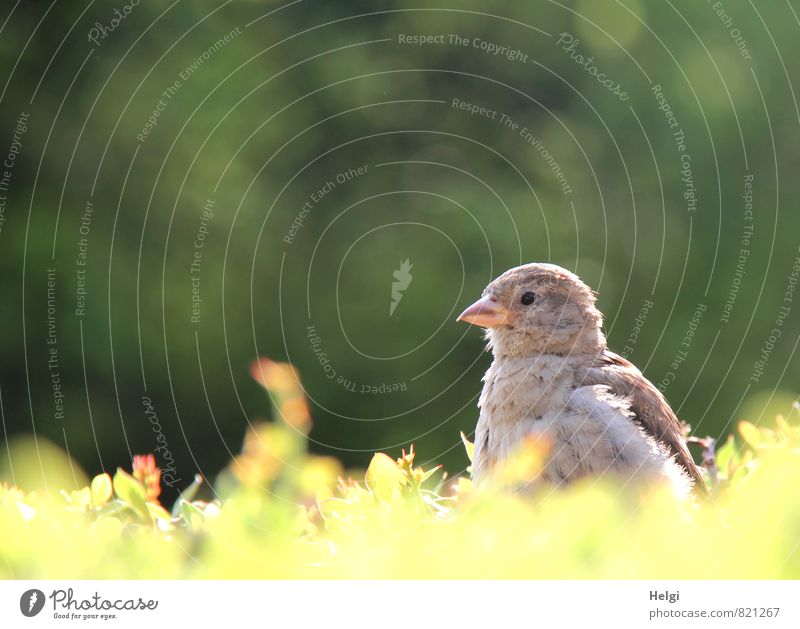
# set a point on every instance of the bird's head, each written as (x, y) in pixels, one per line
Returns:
(538, 308)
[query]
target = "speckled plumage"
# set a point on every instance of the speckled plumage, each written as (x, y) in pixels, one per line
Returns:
(553, 376)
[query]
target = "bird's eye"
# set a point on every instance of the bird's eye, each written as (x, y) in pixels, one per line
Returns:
(528, 298)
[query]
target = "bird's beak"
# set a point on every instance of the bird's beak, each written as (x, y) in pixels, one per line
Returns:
(487, 312)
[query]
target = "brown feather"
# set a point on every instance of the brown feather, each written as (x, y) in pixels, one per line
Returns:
(651, 410)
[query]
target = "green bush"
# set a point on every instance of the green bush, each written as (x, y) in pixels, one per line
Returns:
(280, 512)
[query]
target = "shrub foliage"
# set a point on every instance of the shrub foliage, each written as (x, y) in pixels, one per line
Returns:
(279, 512)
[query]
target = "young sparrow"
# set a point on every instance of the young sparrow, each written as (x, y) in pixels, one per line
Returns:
(553, 376)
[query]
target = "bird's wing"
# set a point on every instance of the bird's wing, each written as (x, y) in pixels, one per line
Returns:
(651, 410)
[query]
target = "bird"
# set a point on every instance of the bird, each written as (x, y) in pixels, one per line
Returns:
(553, 377)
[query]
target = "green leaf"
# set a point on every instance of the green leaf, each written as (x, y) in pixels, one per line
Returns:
(384, 477)
(750, 434)
(429, 473)
(187, 494)
(131, 491)
(101, 489)
(113, 508)
(728, 458)
(158, 512)
(193, 516)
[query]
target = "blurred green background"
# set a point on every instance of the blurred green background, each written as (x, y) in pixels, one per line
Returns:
(197, 133)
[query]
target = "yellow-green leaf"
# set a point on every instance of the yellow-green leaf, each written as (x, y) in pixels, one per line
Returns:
(159, 512)
(80, 497)
(101, 489)
(131, 491)
(728, 458)
(192, 514)
(750, 434)
(384, 477)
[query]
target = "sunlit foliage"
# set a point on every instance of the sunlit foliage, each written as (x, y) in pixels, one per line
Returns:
(279, 512)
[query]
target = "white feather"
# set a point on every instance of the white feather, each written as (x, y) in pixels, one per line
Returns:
(590, 429)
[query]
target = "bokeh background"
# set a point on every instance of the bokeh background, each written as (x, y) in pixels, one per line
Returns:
(190, 185)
